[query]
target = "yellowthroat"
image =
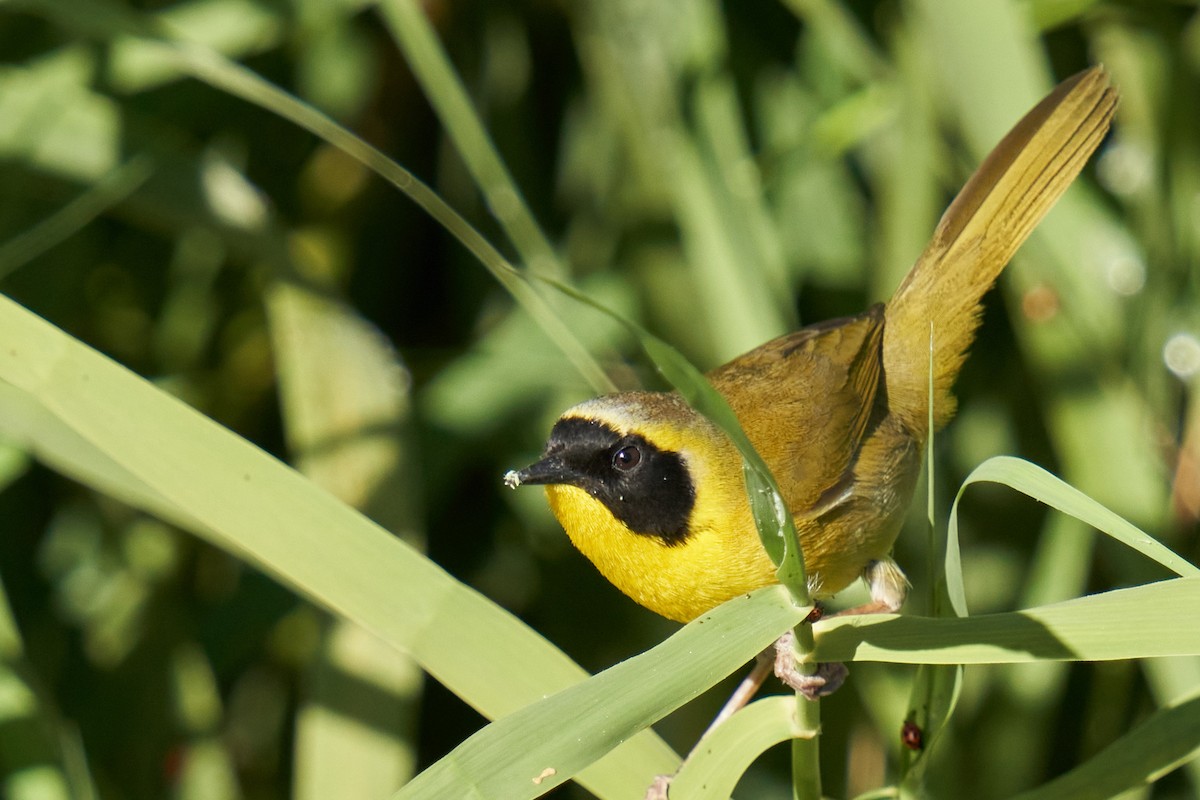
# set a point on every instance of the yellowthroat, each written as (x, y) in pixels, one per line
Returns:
(652, 492)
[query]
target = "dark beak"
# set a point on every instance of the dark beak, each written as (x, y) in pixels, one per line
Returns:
(548, 470)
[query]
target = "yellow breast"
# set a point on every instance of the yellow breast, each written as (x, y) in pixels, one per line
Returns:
(682, 581)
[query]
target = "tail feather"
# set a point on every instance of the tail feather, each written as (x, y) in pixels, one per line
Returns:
(995, 212)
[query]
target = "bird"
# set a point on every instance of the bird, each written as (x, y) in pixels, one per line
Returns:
(653, 493)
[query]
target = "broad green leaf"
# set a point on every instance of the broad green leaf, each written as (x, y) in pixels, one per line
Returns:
(532, 750)
(93, 420)
(1140, 622)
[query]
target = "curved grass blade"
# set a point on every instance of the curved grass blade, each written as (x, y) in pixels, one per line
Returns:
(713, 769)
(412, 31)
(538, 747)
(1039, 484)
(100, 20)
(95, 421)
(107, 192)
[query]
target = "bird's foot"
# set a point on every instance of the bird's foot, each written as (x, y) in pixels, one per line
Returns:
(826, 680)
(659, 789)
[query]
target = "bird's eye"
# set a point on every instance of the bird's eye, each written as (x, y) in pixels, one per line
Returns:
(627, 458)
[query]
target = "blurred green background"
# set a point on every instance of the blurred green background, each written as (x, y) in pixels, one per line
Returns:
(721, 173)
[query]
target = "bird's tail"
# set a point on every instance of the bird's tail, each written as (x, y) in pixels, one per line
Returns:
(989, 219)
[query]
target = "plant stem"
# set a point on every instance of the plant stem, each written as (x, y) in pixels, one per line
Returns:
(806, 760)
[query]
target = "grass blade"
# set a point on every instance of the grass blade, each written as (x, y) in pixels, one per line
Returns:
(1039, 484)
(1166, 740)
(106, 193)
(413, 33)
(95, 421)
(936, 688)
(219, 72)
(1159, 623)
(713, 769)
(514, 758)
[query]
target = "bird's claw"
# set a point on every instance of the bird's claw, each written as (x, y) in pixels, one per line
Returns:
(659, 789)
(827, 679)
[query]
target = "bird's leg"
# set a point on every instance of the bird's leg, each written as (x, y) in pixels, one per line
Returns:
(782, 657)
(764, 662)
(826, 680)
(888, 588)
(744, 692)
(659, 788)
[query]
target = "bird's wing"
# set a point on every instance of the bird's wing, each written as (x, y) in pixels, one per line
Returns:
(806, 400)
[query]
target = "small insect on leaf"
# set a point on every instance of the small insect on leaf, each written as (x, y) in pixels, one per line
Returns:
(911, 735)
